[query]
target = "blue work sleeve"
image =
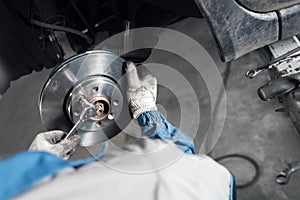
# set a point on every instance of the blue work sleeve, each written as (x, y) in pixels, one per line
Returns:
(232, 187)
(155, 126)
(20, 172)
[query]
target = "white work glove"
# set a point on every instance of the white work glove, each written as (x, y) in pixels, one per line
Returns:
(141, 93)
(53, 142)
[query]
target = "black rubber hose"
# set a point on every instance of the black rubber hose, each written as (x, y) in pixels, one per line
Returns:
(62, 28)
(250, 160)
(90, 28)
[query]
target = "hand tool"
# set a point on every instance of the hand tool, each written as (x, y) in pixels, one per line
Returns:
(279, 86)
(284, 176)
(287, 57)
(87, 112)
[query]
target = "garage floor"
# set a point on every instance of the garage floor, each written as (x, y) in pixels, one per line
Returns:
(252, 127)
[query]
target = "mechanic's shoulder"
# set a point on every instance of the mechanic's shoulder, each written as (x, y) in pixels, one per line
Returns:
(206, 162)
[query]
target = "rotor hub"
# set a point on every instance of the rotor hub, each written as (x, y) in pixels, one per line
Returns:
(102, 106)
(94, 75)
(102, 93)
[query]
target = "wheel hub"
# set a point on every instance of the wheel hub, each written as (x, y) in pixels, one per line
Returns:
(95, 76)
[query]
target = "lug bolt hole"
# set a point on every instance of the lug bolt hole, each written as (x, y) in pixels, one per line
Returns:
(116, 102)
(95, 89)
(98, 123)
(110, 116)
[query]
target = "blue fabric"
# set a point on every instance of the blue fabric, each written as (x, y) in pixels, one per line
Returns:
(154, 125)
(232, 187)
(21, 172)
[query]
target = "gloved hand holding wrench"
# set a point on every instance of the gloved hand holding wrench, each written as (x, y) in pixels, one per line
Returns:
(60, 143)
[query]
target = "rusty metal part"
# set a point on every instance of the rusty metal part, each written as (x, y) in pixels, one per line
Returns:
(102, 106)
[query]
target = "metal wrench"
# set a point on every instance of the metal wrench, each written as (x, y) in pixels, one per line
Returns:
(87, 112)
(283, 58)
(254, 72)
(284, 176)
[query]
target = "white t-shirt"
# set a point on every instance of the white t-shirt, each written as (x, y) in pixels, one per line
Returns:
(145, 169)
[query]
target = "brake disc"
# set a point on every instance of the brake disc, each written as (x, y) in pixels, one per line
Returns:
(94, 75)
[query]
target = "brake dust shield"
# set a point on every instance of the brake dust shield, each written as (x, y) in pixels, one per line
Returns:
(95, 75)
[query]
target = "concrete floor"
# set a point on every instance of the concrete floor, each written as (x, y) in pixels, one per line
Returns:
(251, 128)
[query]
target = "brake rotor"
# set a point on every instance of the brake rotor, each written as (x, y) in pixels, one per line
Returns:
(94, 75)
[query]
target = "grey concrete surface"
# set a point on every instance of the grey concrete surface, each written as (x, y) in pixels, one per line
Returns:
(251, 127)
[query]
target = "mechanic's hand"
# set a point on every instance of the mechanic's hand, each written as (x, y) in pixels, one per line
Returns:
(141, 93)
(53, 142)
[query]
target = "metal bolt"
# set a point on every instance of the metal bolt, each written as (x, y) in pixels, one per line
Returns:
(51, 38)
(99, 108)
(110, 116)
(91, 112)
